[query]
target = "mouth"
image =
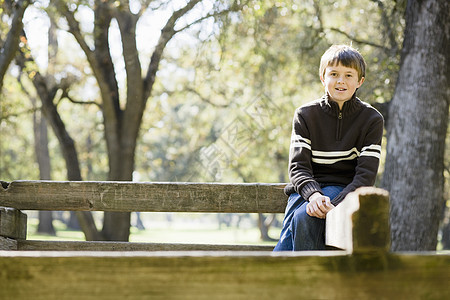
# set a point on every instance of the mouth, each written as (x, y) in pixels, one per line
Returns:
(340, 89)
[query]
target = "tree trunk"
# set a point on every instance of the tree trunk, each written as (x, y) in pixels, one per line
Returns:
(264, 223)
(446, 230)
(122, 122)
(416, 130)
(43, 158)
(46, 92)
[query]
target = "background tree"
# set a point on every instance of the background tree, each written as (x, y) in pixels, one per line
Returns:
(10, 44)
(274, 69)
(417, 126)
(46, 87)
(221, 104)
(122, 118)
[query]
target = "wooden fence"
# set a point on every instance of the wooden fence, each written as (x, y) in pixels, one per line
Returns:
(364, 269)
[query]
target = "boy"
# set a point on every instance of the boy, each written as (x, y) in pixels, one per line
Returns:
(335, 148)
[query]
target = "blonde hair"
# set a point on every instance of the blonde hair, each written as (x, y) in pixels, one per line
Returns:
(344, 55)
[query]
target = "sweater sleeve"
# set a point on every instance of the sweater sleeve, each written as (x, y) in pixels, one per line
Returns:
(368, 160)
(300, 168)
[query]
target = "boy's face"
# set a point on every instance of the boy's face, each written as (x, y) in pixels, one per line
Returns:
(341, 83)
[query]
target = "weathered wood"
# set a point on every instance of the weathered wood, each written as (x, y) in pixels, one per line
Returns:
(146, 273)
(13, 223)
(207, 275)
(7, 244)
(371, 221)
(360, 222)
(180, 197)
(156, 197)
(30, 245)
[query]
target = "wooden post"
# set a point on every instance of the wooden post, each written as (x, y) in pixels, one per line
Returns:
(13, 223)
(371, 230)
(360, 222)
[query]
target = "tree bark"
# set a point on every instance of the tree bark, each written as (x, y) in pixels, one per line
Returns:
(43, 158)
(264, 223)
(416, 130)
(446, 230)
(46, 93)
(122, 122)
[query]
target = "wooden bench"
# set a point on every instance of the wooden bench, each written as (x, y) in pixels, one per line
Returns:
(359, 225)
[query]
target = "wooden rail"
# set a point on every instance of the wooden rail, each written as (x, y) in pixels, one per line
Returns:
(155, 197)
(360, 225)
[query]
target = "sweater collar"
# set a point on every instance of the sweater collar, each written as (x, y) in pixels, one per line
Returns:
(350, 106)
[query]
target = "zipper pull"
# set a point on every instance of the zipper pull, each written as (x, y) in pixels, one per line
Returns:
(340, 116)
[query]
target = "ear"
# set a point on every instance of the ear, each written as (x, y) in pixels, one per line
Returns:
(323, 80)
(361, 82)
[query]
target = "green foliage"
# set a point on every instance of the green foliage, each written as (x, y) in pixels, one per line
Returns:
(17, 158)
(246, 82)
(223, 102)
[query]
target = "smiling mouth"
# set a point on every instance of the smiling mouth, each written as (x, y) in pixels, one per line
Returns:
(341, 89)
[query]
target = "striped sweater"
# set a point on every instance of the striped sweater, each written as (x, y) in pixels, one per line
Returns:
(330, 146)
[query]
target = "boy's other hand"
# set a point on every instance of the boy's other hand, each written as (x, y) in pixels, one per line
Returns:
(319, 205)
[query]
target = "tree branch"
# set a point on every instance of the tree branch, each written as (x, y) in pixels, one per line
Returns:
(71, 99)
(9, 48)
(215, 14)
(357, 40)
(101, 64)
(204, 99)
(167, 33)
(388, 28)
(74, 29)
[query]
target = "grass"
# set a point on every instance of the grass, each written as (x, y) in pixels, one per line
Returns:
(181, 228)
(190, 229)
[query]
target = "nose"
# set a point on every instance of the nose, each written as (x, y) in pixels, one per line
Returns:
(340, 79)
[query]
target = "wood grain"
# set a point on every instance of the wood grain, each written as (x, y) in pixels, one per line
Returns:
(225, 275)
(13, 223)
(7, 244)
(155, 197)
(33, 245)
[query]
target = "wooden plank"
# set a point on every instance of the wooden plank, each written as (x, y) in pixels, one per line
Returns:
(370, 223)
(361, 221)
(132, 196)
(200, 275)
(33, 245)
(13, 223)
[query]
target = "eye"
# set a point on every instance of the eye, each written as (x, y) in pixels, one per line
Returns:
(333, 74)
(349, 75)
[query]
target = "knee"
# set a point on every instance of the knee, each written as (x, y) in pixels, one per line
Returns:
(301, 218)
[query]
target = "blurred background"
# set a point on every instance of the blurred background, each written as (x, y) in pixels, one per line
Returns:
(157, 91)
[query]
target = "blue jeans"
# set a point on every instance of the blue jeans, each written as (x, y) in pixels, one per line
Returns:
(300, 230)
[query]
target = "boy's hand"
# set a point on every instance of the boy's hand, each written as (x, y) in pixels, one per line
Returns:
(319, 205)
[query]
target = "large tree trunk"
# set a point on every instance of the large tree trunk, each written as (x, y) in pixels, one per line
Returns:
(416, 127)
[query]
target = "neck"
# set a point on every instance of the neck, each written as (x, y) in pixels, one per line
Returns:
(339, 103)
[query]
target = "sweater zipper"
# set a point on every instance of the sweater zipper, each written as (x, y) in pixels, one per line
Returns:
(339, 126)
